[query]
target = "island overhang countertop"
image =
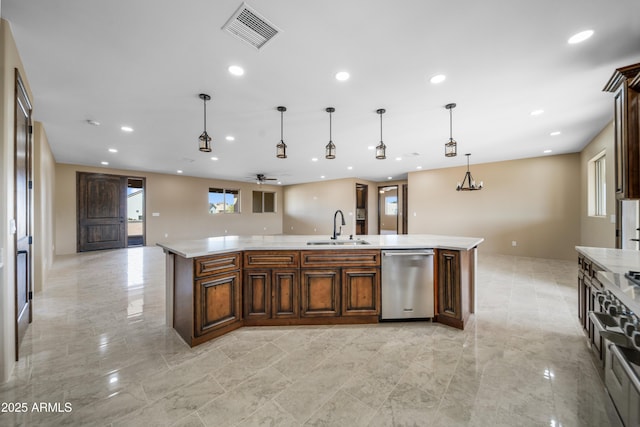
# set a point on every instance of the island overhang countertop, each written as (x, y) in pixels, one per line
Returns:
(217, 245)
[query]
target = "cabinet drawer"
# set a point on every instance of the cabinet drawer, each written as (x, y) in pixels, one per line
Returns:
(206, 266)
(343, 258)
(271, 259)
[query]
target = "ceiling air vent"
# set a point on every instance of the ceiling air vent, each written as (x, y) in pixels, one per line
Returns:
(249, 26)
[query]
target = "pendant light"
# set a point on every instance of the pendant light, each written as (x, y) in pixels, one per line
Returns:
(205, 139)
(330, 149)
(381, 148)
(281, 148)
(468, 180)
(451, 147)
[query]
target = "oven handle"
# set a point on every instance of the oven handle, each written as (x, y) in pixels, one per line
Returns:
(625, 365)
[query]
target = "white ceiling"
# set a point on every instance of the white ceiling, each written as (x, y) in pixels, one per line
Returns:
(143, 63)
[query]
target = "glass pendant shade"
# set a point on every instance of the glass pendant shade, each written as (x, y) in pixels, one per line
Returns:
(204, 141)
(381, 148)
(281, 150)
(330, 148)
(468, 183)
(281, 147)
(451, 147)
(381, 151)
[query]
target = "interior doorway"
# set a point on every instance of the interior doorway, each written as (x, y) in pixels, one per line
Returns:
(361, 209)
(135, 212)
(388, 209)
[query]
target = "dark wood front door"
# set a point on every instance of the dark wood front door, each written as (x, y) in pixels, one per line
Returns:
(23, 187)
(102, 209)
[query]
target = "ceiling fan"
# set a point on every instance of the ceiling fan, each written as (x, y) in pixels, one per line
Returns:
(261, 178)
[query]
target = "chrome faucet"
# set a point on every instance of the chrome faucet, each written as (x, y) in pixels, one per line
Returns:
(337, 233)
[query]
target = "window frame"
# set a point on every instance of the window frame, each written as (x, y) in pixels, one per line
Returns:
(225, 191)
(597, 186)
(262, 201)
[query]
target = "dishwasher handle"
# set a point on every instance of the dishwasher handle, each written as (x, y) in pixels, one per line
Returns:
(408, 253)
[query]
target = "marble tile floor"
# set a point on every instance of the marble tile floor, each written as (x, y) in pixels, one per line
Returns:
(99, 349)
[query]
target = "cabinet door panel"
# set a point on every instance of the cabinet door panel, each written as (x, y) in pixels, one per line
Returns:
(257, 294)
(285, 285)
(449, 284)
(320, 293)
(360, 292)
(217, 302)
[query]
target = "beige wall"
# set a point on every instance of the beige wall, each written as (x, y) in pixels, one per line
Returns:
(9, 61)
(44, 166)
(534, 202)
(181, 201)
(309, 208)
(598, 231)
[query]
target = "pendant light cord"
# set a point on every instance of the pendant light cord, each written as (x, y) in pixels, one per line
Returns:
(450, 124)
(205, 115)
(281, 137)
(329, 127)
(380, 127)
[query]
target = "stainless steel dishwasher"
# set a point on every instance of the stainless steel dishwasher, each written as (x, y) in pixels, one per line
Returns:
(407, 284)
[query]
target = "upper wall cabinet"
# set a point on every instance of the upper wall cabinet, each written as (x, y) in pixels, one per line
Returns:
(625, 84)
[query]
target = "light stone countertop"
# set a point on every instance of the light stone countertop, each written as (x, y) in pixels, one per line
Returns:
(616, 262)
(222, 244)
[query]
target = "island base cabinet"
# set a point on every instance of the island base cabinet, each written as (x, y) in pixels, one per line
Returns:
(207, 296)
(271, 294)
(217, 302)
(360, 291)
(320, 296)
(454, 286)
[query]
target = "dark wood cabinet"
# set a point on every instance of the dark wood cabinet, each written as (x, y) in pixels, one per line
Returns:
(360, 291)
(625, 84)
(454, 282)
(207, 296)
(320, 296)
(217, 302)
(271, 285)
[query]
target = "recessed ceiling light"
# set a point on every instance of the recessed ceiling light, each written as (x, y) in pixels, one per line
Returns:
(555, 133)
(547, 151)
(230, 138)
(389, 177)
(398, 158)
(580, 37)
(321, 176)
(104, 163)
(214, 158)
(314, 159)
(236, 70)
(342, 76)
(93, 122)
(113, 150)
(126, 129)
(371, 147)
(349, 167)
(439, 78)
(418, 167)
(537, 112)
(279, 182)
(179, 171)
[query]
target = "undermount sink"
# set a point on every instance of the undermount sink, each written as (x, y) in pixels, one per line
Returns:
(339, 242)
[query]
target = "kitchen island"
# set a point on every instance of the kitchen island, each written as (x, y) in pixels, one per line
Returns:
(218, 284)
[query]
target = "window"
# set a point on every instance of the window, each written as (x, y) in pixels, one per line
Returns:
(391, 205)
(264, 202)
(222, 200)
(597, 201)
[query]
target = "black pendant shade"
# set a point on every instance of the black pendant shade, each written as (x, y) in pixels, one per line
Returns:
(330, 148)
(205, 139)
(381, 148)
(281, 147)
(450, 148)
